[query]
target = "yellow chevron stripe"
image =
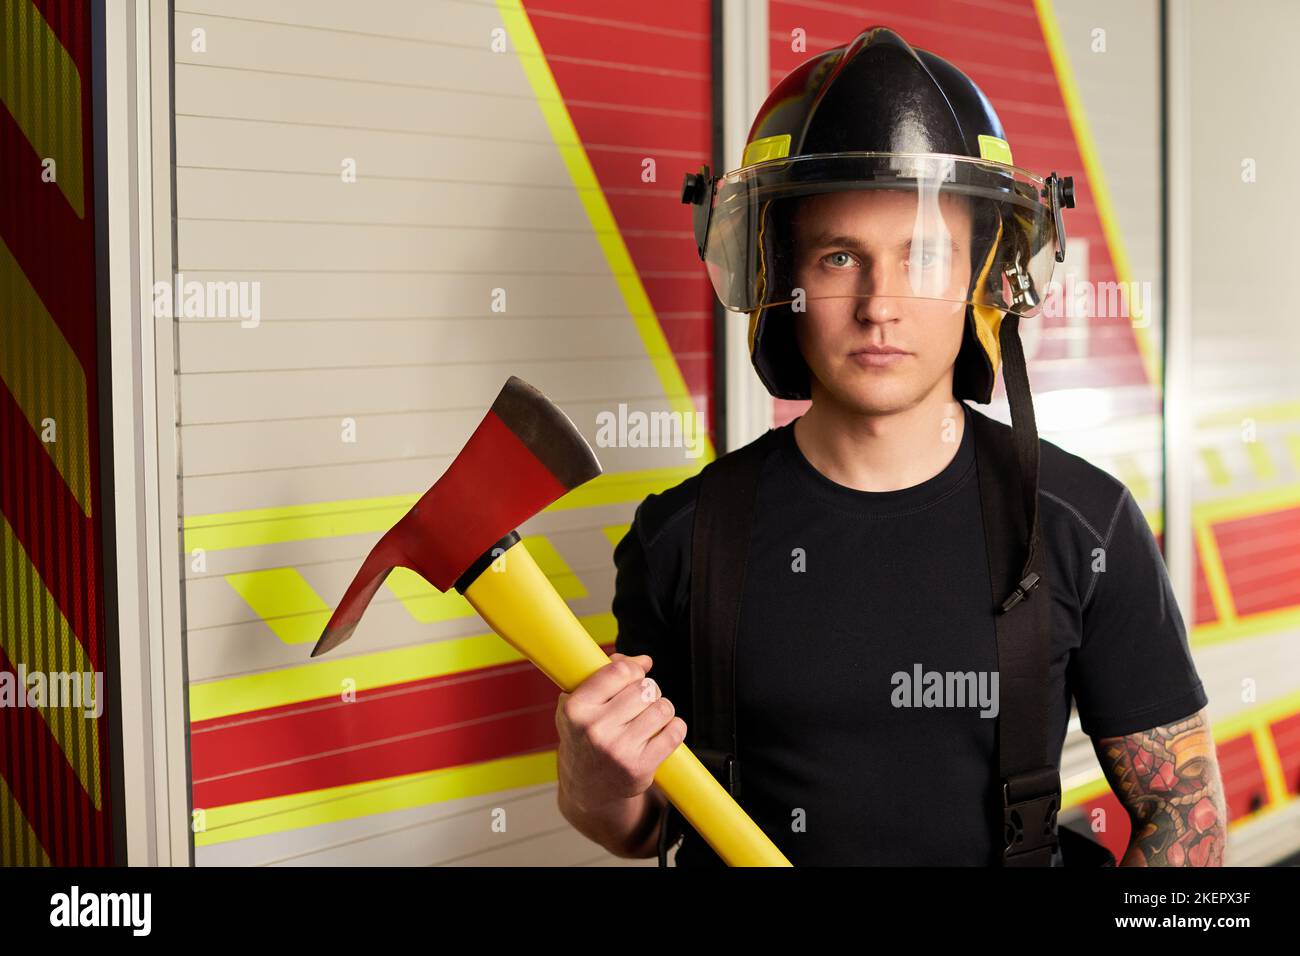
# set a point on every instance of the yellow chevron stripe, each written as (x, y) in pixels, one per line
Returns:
(333, 519)
(423, 601)
(282, 598)
(330, 805)
(553, 565)
(1268, 712)
(34, 632)
(1261, 462)
(325, 677)
(1273, 412)
(48, 112)
(551, 103)
(42, 373)
(296, 614)
(1127, 470)
(428, 605)
(1293, 449)
(1249, 625)
(615, 533)
(1270, 763)
(1096, 176)
(1214, 467)
(18, 843)
(1249, 506)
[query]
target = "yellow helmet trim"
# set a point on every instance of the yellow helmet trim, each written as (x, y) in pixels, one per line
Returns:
(995, 149)
(769, 147)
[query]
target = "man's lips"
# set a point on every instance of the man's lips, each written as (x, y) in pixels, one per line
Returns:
(878, 356)
(880, 350)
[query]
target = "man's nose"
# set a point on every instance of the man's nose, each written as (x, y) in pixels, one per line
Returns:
(878, 293)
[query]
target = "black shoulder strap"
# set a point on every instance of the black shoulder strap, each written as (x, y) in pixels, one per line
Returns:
(723, 520)
(720, 551)
(1008, 462)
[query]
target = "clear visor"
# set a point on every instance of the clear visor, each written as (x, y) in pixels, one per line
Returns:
(863, 225)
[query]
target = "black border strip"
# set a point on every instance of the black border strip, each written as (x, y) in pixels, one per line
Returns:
(718, 401)
(107, 517)
(1163, 60)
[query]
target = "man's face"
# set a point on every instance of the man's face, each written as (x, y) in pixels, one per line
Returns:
(862, 261)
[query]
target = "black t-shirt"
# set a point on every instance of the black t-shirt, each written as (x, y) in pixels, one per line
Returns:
(851, 596)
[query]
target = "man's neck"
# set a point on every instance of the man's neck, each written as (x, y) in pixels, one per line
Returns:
(882, 452)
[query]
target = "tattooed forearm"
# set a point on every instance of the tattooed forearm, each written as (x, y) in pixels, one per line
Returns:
(1168, 780)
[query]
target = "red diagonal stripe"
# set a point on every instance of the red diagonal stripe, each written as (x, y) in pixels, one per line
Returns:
(53, 248)
(53, 529)
(47, 787)
(1286, 737)
(622, 117)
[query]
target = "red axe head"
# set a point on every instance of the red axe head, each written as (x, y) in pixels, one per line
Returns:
(525, 454)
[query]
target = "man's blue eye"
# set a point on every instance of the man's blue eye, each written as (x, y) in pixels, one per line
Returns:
(833, 254)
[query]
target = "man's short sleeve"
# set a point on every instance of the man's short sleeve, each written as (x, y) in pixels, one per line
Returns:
(643, 625)
(1133, 669)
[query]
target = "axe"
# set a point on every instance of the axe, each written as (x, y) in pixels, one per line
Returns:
(524, 455)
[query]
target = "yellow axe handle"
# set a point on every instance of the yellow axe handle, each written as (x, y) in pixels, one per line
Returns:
(519, 603)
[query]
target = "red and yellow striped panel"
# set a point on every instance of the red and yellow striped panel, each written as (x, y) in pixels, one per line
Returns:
(279, 750)
(54, 760)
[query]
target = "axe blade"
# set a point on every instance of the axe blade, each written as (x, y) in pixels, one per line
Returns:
(524, 455)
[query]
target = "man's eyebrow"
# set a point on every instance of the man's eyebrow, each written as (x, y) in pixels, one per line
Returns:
(833, 239)
(853, 242)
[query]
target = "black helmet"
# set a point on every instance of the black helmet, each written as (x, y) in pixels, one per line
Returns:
(877, 114)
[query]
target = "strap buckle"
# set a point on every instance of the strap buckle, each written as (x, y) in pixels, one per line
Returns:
(1030, 802)
(1026, 585)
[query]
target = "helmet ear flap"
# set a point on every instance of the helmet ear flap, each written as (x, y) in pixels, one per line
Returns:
(973, 373)
(776, 356)
(774, 347)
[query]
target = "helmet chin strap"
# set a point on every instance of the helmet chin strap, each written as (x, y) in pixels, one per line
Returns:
(1025, 437)
(1024, 427)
